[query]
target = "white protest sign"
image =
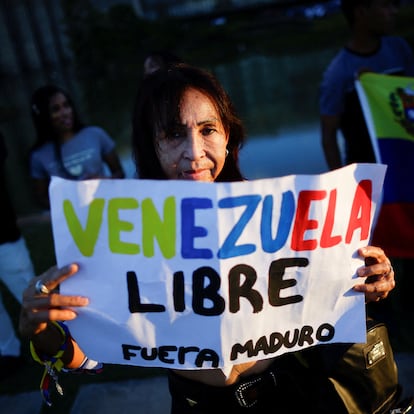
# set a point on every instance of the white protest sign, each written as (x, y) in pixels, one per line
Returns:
(194, 275)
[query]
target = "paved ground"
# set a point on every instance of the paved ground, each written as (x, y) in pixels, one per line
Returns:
(149, 396)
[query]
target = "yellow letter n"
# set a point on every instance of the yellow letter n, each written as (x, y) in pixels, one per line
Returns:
(153, 227)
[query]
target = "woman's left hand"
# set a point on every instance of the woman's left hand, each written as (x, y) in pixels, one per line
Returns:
(378, 272)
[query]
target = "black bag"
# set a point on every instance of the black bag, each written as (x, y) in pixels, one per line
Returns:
(357, 378)
(364, 375)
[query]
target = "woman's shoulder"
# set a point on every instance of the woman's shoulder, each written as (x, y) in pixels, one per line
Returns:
(95, 136)
(394, 40)
(338, 65)
(396, 44)
(44, 149)
(94, 130)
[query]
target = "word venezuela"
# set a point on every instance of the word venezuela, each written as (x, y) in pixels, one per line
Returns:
(151, 225)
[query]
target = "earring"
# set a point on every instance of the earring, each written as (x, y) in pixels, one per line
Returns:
(227, 152)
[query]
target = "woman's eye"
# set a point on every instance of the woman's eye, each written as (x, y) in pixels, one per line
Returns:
(175, 134)
(207, 131)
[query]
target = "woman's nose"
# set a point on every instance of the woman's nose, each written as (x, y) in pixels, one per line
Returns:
(195, 147)
(66, 110)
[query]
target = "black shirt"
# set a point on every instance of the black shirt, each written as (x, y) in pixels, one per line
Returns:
(9, 231)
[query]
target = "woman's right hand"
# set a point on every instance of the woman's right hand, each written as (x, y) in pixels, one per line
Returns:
(39, 308)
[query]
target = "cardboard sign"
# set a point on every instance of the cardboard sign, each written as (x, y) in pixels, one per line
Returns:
(195, 275)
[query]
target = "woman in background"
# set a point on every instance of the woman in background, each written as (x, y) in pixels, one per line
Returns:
(65, 147)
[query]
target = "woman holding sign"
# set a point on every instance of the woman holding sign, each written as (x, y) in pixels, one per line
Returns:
(185, 128)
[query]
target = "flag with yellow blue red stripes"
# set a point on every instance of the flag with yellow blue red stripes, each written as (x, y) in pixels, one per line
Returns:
(388, 105)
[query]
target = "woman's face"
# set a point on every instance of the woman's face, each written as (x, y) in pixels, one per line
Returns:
(61, 114)
(195, 148)
(380, 16)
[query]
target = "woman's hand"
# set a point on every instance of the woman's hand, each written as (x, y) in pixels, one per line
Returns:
(39, 308)
(378, 272)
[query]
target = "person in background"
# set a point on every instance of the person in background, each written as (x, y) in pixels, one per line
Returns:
(369, 48)
(64, 146)
(185, 128)
(161, 59)
(16, 270)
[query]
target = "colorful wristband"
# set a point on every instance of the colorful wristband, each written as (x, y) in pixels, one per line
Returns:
(53, 364)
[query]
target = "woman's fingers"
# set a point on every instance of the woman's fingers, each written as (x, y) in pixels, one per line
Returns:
(53, 277)
(39, 307)
(378, 272)
(373, 254)
(377, 269)
(54, 300)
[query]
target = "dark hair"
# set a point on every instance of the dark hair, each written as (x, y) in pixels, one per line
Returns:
(157, 106)
(163, 59)
(40, 110)
(348, 7)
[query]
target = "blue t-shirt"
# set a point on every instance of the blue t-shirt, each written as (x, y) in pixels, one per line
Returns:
(338, 95)
(80, 158)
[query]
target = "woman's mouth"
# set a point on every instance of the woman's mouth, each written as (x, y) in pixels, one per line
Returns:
(197, 175)
(66, 121)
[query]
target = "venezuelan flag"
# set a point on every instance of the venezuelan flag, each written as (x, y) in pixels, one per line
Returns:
(388, 105)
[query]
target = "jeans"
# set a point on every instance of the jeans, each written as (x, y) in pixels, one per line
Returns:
(16, 270)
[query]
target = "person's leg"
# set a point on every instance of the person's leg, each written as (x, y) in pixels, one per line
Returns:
(406, 281)
(16, 268)
(401, 299)
(9, 343)
(10, 346)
